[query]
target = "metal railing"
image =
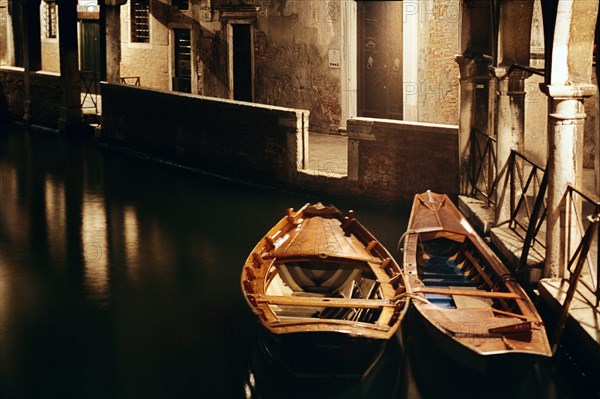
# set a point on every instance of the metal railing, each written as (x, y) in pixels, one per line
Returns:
(582, 270)
(527, 188)
(523, 185)
(89, 89)
(130, 80)
(482, 166)
(582, 225)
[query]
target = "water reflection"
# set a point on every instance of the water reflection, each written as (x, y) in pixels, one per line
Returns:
(55, 214)
(266, 378)
(120, 278)
(94, 246)
(131, 234)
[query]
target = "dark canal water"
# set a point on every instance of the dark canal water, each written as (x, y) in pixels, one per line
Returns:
(119, 278)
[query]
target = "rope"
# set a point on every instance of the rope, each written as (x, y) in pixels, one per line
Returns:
(409, 295)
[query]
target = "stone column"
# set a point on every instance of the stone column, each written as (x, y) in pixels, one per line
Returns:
(565, 137)
(466, 68)
(597, 137)
(70, 117)
(113, 39)
(32, 50)
(510, 132)
(473, 74)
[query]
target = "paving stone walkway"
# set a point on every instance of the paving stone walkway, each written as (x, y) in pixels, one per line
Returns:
(328, 153)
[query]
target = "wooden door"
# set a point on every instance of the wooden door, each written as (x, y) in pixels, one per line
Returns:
(380, 59)
(90, 55)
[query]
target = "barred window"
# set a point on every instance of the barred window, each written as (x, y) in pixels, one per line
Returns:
(181, 4)
(49, 13)
(140, 21)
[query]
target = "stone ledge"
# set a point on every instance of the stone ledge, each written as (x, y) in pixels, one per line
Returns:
(477, 213)
(583, 325)
(510, 247)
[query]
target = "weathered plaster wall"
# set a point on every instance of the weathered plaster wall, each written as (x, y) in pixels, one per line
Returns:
(50, 55)
(212, 62)
(149, 61)
(292, 43)
(536, 121)
(590, 147)
(438, 72)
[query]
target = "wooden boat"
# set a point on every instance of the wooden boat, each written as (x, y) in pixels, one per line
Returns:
(465, 296)
(327, 292)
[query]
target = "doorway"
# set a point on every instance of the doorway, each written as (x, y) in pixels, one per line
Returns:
(90, 55)
(380, 59)
(242, 62)
(182, 79)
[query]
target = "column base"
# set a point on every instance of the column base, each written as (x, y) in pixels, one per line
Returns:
(70, 122)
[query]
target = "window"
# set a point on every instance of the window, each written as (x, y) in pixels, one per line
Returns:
(140, 21)
(49, 13)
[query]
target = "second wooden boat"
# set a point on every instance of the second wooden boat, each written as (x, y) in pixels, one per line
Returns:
(327, 292)
(466, 297)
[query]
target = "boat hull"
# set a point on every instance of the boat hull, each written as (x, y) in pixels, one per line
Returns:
(465, 297)
(318, 355)
(484, 363)
(327, 293)
(269, 378)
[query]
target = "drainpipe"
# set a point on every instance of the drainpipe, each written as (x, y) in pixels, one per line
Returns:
(510, 132)
(565, 145)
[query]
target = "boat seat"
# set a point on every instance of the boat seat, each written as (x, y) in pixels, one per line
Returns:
(455, 276)
(444, 282)
(441, 300)
(300, 278)
(439, 261)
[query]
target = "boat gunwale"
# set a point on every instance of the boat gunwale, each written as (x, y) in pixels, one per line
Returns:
(392, 314)
(505, 280)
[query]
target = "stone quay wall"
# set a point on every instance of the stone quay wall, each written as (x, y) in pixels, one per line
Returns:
(45, 94)
(397, 159)
(234, 139)
(388, 160)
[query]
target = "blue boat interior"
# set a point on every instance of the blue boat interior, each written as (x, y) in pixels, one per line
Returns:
(443, 266)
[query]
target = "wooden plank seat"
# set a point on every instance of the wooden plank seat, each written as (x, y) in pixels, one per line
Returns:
(445, 282)
(441, 300)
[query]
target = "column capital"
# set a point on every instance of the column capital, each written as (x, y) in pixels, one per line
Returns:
(569, 91)
(114, 3)
(470, 65)
(510, 72)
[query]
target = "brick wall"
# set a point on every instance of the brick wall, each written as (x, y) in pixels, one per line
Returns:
(45, 96)
(11, 82)
(45, 99)
(234, 139)
(387, 160)
(396, 159)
